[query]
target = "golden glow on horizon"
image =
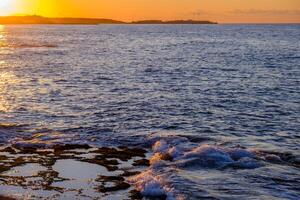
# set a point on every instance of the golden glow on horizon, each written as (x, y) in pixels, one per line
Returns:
(127, 10)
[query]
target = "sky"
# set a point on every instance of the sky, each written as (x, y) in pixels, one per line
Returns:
(222, 11)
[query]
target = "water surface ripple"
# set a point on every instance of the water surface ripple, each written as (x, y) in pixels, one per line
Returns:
(226, 86)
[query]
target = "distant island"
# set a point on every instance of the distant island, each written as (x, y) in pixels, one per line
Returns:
(173, 22)
(45, 20)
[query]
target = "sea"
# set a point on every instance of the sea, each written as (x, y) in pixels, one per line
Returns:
(222, 101)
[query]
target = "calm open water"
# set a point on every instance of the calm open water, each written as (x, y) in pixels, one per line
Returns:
(223, 100)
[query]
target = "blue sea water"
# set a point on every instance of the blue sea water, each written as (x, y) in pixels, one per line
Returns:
(223, 100)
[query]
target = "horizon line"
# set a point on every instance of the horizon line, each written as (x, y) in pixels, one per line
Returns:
(145, 20)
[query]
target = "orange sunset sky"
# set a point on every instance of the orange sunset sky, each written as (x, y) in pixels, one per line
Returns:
(222, 11)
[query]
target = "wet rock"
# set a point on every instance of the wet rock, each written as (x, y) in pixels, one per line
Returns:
(118, 181)
(3, 157)
(4, 168)
(71, 147)
(9, 150)
(123, 154)
(110, 178)
(141, 162)
(25, 150)
(128, 173)
(117, 187)
(48, 179)
(6, 198)
(110, 165)
(135, 195)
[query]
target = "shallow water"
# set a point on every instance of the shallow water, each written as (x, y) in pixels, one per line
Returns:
(221, 100)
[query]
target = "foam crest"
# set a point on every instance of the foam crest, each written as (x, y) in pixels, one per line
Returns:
(206, 156)
(175, 152)
(160, 146)
(150, 184)
(159, 159)
(168, 155)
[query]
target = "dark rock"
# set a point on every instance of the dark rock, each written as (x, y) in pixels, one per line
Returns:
(135, 195)
(142, 162)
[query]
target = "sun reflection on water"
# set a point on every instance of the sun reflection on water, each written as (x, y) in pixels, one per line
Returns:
(2, 37)
(7, 77)
(7, 80)
(4, 43)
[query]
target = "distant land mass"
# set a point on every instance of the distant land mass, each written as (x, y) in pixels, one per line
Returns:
(173, 22)
(45, 20)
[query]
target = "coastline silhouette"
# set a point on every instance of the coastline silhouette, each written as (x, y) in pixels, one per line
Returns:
(34, 19)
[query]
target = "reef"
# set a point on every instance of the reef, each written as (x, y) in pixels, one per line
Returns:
(69, 170)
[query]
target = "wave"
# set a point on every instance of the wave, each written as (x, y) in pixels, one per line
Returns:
(12, 130)
(160, 179)
(170, 154)
(154, 181)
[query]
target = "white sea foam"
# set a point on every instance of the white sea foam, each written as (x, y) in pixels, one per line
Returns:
(175, 152)
(168, 155)
(160, 146)
(151, 184)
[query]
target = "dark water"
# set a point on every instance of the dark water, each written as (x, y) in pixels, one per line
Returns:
(223, 98)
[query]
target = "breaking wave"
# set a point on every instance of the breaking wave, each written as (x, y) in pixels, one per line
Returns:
(171, 155)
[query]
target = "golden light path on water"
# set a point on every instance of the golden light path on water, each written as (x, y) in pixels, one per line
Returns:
(12, 94)
(7, 77)
(2, 37)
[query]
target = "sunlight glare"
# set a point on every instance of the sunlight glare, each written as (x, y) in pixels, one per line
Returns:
(6, 7)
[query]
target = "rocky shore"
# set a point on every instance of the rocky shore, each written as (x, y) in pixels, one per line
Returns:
(63, 171)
